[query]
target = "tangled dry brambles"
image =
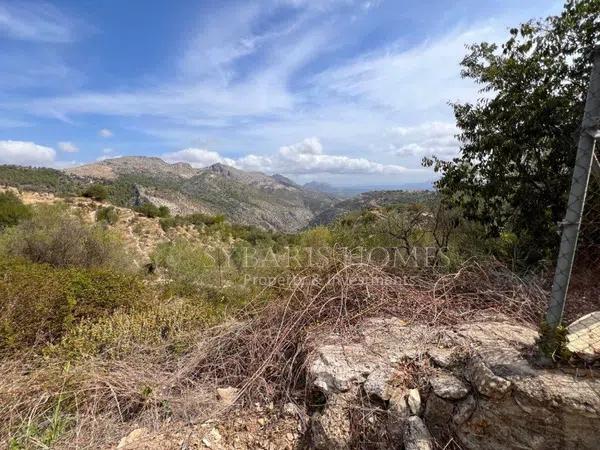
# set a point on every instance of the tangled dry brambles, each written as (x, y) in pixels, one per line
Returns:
(262, 350)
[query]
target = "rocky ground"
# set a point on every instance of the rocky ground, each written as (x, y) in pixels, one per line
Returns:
(395, 385)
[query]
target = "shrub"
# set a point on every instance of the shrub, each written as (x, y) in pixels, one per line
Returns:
(12, 210)
(40, 302)
(152, 211)
(108, 214)
(196, 219)
(184, 263)
(123, 332)
(57, 237)
(316, 237)
(97, 192)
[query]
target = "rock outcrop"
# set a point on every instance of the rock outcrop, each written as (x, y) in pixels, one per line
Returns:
(473, 383)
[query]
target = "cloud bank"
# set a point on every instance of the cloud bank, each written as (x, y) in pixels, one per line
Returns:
(26, 153)
(305, 157)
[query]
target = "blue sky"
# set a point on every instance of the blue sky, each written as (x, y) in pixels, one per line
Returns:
(343, 91)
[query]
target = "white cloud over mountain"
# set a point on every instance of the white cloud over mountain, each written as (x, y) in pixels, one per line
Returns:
(197, 157)
(26, 153)
(68, 147)
(371, 78)
(305, 157)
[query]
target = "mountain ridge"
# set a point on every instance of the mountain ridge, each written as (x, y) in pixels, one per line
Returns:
(253, 198)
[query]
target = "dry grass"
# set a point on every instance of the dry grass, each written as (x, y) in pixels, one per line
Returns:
(262, 350)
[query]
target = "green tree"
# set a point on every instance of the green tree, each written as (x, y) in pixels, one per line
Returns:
(12, 210)
(97, 192)
(518, 142)
(108, 215)
(150, 210)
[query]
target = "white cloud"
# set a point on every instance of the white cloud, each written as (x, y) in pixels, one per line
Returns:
(26, 153)
(39, 21)
(105, 157)
(107, 151)
(305, 157)
(105, 133)
(309, 146)
(352, 104)
(427, 139)
(68, 147)
(422, 77)
(197, 157)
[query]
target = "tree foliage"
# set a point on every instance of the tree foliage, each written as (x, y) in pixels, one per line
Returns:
(518, 141)
(97, 192)
(59, 238)
(12, 210)
(152, 211)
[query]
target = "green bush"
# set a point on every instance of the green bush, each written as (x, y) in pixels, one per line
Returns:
(97, 192)
(55, 236)
(316, 237)
(152, 211)
(123, 332)
(184, 263)
(107, 214)
(12, 210)
(196, 219)
(40, 302)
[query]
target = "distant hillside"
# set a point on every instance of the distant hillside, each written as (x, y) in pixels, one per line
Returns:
(351, 191)
(370, 200)
(111, 169)
(253, 198)
(40, 179)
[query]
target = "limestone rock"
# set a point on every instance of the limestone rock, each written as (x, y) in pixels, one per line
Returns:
(464, 410)
(132, 438)
(486, 382)
(331, 429)
(398, 404)
(212, 439)
(417, 436)
(333, 372)
(398, 412)
(228, 395)
(338, 366)
(377, 383)
(520, 406)
(291, 410)
(449, 387)
(414, 401)
(442, 357)
(583, 338)
(438, 415)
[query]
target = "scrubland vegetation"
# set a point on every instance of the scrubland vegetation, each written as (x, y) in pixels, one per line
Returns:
(87, 332)
(93, 338)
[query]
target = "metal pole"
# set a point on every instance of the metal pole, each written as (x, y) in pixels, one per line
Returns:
(595, 167)
(581, 174)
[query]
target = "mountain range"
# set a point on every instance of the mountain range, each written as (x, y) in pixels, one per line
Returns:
(253, 198)
(271, 202)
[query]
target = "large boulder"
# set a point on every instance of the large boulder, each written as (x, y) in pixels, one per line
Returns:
(583, 336)
(489, 396)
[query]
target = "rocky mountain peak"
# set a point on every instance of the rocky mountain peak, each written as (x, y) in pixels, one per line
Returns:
(112, 168)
